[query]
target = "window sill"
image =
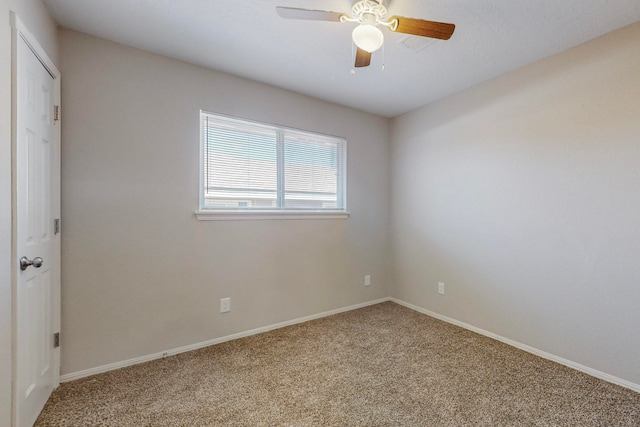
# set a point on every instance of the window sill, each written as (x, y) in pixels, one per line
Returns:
(217, 215)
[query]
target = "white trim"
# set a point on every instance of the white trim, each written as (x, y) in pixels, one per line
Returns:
(585, 369)
(218, 215)
(33, 44)
(112, 366)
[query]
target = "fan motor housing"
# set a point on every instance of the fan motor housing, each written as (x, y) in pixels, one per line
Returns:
(369, 7)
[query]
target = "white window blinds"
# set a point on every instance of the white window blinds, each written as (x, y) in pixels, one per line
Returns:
(253, 166)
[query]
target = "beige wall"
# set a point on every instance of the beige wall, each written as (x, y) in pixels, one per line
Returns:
(522, 195)
(36, 18)
(140, 274)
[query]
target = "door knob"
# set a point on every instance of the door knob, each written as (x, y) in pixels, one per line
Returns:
(26, 262)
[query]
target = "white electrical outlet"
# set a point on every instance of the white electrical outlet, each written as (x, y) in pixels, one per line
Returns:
(441, 288)
(225, 305)
(367, 280)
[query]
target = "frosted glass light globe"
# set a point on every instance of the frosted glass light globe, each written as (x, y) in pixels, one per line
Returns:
(367, 37)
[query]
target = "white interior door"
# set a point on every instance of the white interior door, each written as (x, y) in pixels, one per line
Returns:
(36, 238)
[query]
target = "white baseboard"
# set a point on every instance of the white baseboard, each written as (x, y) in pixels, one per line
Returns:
(585, 369)
(112, 366)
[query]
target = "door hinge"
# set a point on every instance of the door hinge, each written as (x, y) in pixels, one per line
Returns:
(56, 226)
(56, 113)
(56, 340)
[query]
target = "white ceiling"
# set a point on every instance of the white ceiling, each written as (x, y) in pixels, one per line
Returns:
(247, 38)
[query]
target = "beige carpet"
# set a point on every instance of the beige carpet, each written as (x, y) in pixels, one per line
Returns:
(383, 365)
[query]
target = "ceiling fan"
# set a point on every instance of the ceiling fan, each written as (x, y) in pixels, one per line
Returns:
(369, 15)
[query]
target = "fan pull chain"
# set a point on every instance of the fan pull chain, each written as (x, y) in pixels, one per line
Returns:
(353, 58)
(382, 58)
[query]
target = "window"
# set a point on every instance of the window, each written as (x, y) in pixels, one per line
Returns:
(249, 167)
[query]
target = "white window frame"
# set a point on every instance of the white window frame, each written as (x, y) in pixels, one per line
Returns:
(217, 214)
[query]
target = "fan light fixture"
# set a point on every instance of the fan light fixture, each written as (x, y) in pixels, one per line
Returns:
(370, 15)
(368, 37)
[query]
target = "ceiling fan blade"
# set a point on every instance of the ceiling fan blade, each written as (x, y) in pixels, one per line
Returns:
(313, 15)
(419, 27)
(363, 58)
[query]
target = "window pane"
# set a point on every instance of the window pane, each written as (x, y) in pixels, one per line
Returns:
(247, 165)
(240, 165)
(311, 167)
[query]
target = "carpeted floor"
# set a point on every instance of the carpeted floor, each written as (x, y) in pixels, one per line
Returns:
(383, 365)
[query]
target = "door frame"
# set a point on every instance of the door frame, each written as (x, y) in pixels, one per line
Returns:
(20, 31)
